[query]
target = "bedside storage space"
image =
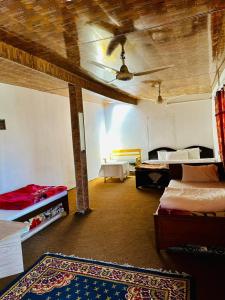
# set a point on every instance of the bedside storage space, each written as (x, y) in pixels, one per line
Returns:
(152, 176)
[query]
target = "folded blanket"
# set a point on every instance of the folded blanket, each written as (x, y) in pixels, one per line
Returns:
(198, 199)
(27, 196)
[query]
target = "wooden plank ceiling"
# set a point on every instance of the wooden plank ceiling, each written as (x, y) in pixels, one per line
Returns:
(189, 34)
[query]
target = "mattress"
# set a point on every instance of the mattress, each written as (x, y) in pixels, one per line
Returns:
(15, 214)
(178, 184)
(193, 198)
(186, 161)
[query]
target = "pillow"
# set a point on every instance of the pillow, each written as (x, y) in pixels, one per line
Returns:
(161, 155)
(205, 173)
(177, 155)
(193, 153)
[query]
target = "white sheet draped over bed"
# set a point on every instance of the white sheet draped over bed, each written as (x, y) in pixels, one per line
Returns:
(194, 199)
(182, 161)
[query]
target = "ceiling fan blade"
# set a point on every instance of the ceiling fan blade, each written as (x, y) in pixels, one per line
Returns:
(153, 70)
(115, 42)
(100, 79)
(111, 80)
(103, 66)
(108, 82)
(105, 26)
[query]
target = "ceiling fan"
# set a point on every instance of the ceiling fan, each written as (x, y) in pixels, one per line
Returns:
(124, 74)
(160, 99)
(156, 83)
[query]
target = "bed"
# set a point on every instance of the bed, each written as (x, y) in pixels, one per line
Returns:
(204, 155)
(174, 228)
(130, 155)
(37, 215)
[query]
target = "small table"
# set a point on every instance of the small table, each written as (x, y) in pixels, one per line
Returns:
(119, 169)
(11, 261)
(152, 175)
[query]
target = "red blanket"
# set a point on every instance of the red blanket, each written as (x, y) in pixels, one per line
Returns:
(28, 195)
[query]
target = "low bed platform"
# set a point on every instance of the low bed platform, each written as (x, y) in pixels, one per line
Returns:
(180, 230)
(174, 228)
(58, 201)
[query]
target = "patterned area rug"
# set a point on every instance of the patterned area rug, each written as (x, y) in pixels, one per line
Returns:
(63, 277)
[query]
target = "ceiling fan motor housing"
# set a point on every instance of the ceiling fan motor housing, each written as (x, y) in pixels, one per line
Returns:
(160, 99)
(124, 73)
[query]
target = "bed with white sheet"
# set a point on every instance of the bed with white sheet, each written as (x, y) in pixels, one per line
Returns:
(191, 213)
(181, 161)
(202, 197)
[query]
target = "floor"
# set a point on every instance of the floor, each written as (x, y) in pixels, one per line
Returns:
(120, 229)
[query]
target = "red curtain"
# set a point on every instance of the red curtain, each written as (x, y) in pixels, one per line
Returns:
(220, 121)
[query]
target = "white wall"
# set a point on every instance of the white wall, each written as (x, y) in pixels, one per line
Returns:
(125, 127)
(37, 145)
(149, 126)
(193, 123)
(94, 134)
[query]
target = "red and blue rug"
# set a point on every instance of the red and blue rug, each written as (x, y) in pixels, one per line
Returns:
(59, 277)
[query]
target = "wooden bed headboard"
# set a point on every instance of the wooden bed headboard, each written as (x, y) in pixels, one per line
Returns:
(205, 152)
(132, 153)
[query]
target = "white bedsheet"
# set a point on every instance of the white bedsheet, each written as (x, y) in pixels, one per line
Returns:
(185, 161)
(118, 169)
(182, 185)
(14, 214)
(194, 199)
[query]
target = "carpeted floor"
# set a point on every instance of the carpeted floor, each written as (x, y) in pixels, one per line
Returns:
(120, 229)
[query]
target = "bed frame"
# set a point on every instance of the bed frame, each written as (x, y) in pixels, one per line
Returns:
(180, 230)
(35, 210)
(132, 153)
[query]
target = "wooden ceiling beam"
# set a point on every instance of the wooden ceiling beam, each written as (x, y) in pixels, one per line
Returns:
(36, 63)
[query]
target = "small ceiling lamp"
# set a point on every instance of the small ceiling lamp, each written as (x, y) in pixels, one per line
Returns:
(160, 99)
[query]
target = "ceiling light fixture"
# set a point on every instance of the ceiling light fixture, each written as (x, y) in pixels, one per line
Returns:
(160, 99)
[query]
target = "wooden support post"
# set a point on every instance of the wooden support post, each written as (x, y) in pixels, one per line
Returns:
(80, 161)
(76, 110)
